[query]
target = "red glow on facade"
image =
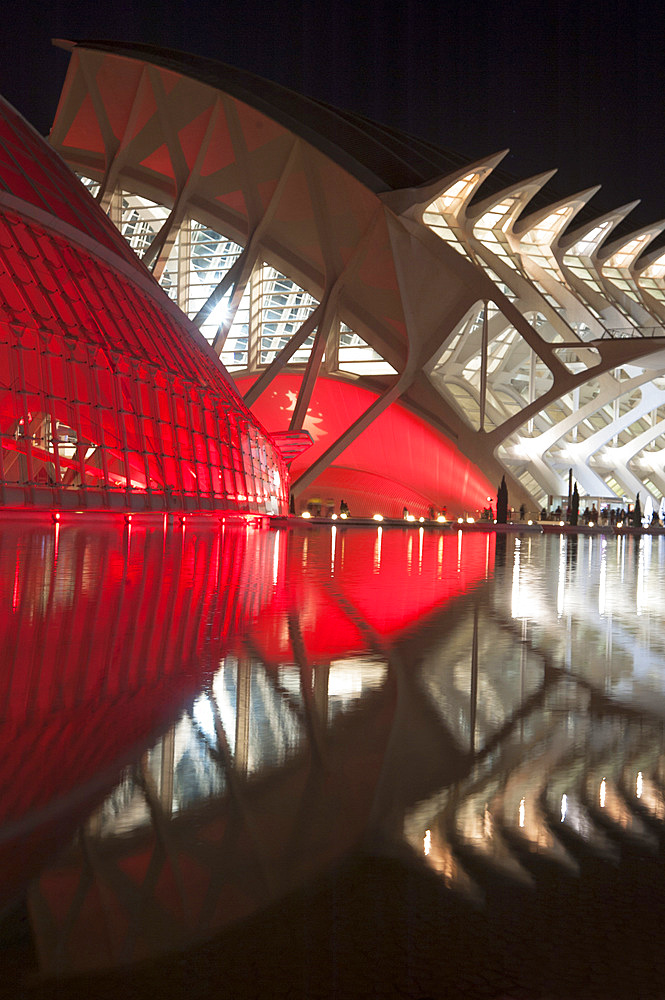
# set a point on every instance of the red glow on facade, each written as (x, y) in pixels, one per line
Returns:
(399, 460)
(109, 397)
(105, 645)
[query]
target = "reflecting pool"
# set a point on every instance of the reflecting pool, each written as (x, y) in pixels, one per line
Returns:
(416, 760)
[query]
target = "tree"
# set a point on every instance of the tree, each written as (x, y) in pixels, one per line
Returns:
(502, 502)
(574, 506)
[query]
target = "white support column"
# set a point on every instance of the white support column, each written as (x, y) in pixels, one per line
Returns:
(248, 261)
(483, 367)
(532, 386)
(576, 406)
(256, 291)
(184, 266)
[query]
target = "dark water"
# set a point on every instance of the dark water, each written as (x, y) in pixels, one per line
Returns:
(200, 721)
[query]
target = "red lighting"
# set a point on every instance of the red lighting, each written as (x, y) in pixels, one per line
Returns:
(109, 397)
(399, 460)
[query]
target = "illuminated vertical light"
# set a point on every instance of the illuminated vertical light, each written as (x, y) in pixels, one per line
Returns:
(564, 806)
(459, 550)
(522, 811)
(303, 559)
(515, 597)
(639, 785)
(421, 536)
(409, 554)
(218, 546)
(487, 557)
(342, 550)
(15, 594)
(621, 555)
(603, 793)
(56, 542)
(333, 543)
(602, 583)
(377, 550)
(439, 559)
(427, 842)
(641, 597)
(561, 589)
(275, 559)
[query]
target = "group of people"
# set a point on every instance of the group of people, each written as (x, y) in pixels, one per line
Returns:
(590, 515)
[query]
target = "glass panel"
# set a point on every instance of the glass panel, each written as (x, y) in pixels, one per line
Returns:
(141, 220)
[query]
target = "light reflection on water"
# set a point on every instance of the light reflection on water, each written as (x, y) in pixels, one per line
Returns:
(204, 718)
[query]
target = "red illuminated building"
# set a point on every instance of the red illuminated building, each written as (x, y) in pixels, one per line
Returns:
(109, 397)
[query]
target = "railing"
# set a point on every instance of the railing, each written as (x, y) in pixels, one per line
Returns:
(632, 331)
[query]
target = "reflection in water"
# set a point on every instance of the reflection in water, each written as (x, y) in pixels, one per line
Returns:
(555, 682)
(219, 682)
(202, 718)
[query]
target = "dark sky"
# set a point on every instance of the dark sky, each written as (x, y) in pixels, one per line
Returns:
(574, 85)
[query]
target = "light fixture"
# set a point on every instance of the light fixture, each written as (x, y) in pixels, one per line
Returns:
(306, 514)
(441, 519)
(343, 516)
(377, 517)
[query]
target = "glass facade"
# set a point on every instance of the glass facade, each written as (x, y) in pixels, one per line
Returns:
(108, 400)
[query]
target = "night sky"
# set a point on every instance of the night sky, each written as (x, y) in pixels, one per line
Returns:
(578, 86)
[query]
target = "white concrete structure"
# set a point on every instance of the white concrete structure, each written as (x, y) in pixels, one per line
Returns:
(303, 239)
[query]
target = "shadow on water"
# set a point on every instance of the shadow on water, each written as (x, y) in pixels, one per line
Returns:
(338, 761)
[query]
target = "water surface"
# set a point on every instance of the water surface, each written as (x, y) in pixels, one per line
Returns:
(201, 719)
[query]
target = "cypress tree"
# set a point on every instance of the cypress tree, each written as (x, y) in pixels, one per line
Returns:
(502, 502)
(575, 506)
